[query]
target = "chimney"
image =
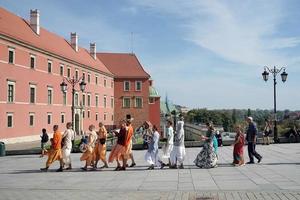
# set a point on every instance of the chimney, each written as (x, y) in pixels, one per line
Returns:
(35, 20)
(74, 41)
(93, 50)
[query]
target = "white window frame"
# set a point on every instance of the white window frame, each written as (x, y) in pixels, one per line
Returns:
(50, 89)
(34, 87)
(123, 105)
(76, 98)
(96, 80)
(49, 114)
(14, 55)
(125, 86)
(136, 83)
(13, 83)
(83, 99)
(104, 101)
(83, 75)
(135, 102)
(61, 66)
(62, 116)
(97, 100)
(83, 114)
(97, 116)
(34, 61)
(33, 122)
(51, 66)
(89, 100)
(89, 114)
(104, 82)
(65, 95)
(69, 72)
(10, 114)
(89, 78)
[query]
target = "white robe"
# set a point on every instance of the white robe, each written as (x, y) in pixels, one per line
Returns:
(151, 155)
(178, 152)
(68, 136)
(168, 147)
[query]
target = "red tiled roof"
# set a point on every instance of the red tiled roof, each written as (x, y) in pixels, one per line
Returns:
(17, 28)
(123, 65)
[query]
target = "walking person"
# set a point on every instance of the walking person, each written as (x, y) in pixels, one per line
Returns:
(54, 153)
(44, 140)
(178, 151)
(267, 132)
(67, 138)
(88, 155)
(238, 149)
(251, 139)
(100, 147)
(152, 139)
(128, 142)
(207, 157)
(168, 147)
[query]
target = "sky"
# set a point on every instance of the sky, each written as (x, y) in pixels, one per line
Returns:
(201, 54)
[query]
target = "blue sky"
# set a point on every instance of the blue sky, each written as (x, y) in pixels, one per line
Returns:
(200, 53)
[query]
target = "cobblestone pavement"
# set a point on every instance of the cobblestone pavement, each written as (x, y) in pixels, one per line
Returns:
(277, 177)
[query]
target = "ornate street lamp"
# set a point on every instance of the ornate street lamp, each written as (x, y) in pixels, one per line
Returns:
(283, 75)
(73, 82)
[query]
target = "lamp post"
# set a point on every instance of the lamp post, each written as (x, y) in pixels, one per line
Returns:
(274, 71)
(174, 119)
(73, 82)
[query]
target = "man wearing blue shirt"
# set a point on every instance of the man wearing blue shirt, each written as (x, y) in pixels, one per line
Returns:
(251, 139)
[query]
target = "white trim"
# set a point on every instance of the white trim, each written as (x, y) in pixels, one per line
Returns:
(89, 78)
(76, 74)
(124, 86)
(14, 55)
(96, 79)
(13, 83)
(63, 69)
(51, 66)
(69, 69)
(104, 101)
(83, 102)
(34, 61)
(62, 114)
(135, 102)
(10, 114)
(96, 100)
(76, 104)
(89, 100)
(33, 123)
(49, 114)
(34, 87)
(49, 89)
(123, 104)
(88, 113)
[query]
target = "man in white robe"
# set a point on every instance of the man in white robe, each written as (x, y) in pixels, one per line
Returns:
(67, 138)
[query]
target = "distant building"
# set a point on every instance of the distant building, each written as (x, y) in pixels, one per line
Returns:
(133, 89)
(182, 109)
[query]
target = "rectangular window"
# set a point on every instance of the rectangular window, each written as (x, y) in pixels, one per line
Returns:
(89, 78)
(112, 117)
(138, 86)
(31, 119)
(151, 100)
(83, 76)
(104, 101)
(49, 118)
(126, 85)
(96, 80)
(138, 102)
(89, 100)
(64, 98)
(112, 84)
(83, 114)
(49, 67)
(50, 95)
(76, 99)
(104, 83)
(11, 55)
(97, 100)
(62, 118)
(96, 116)
(104, 116)
(76, 74)
(83, 99)
(10, 91)
(10, 120)
(32, 61)
(61, 70)
(32, 94)
(126, 102)
(89, 114)
(111, 102)
(69, 72)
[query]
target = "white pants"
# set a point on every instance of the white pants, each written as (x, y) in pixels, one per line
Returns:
(66, 154)
(152, 158)
(177, 155)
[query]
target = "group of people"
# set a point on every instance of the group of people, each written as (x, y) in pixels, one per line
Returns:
(94, 149)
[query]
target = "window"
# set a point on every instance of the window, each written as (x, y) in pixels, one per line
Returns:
(49, 67)
(97, 100)
(50, 95)
(89, 100)
(89, 78)
(104, 83)
(83, 114)
(10, 91)
(69, 72)
(138, 102)
(49, 118)
(111, 102)
(151, 100)
(32, 94)
(126, 102)
(10, 120)
(89, 113)
(96, 116)
(76, 99)
(31, 119)
(96, 80)
(112, 84)
(32, 61)
(64, 98)
(104, 116)
(112, 117)
(83, 76)
(61, 70)
(138, 86)
(104, 101)
(11, 55)
(76, 74)
(83, 99)
(62, 118)
(126, 85)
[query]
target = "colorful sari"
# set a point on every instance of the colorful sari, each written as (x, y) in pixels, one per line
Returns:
(238, 150)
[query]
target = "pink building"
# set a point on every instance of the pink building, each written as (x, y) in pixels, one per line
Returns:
(33, 63)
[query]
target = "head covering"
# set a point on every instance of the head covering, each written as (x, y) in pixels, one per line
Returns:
(129, 118)
(250, 118)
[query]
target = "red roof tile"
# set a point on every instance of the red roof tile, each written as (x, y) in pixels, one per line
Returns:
(19, 29)
(123, 65)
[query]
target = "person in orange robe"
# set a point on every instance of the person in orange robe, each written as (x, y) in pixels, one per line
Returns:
(128, 142)
(55, 152)
(100, 147)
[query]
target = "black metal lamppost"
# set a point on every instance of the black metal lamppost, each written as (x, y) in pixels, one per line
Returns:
(274, 71)
(73, 82)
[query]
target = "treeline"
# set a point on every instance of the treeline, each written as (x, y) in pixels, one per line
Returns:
(227, 118)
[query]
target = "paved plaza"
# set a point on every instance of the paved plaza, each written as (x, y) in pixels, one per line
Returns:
(277, 177)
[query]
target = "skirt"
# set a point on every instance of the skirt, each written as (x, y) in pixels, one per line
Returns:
(100, 151)
(177, 154)
(53, 155)
(207, 158)
(88, 156)
(116, 152)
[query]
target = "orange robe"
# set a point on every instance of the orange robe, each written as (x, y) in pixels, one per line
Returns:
(128, 141)
(100, 149)
(55, 152)
(88, 156)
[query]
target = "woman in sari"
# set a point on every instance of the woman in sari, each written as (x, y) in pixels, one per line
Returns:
(238, 149)
(207, 157)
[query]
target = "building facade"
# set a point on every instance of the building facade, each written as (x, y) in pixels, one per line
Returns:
(33, 63)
